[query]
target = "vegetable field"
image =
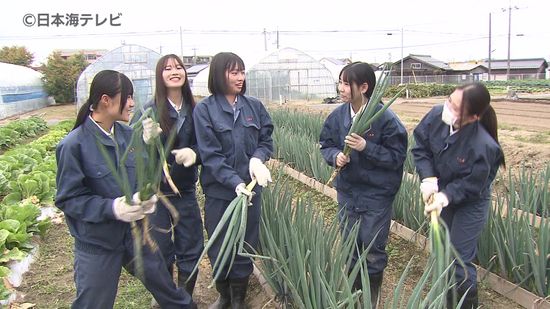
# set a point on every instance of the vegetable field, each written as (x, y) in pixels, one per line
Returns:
(524, 133)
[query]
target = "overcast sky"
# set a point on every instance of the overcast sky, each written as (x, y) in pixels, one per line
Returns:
(360, 29)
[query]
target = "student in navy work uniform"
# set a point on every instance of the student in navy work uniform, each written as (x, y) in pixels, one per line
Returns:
(234, 139)
(371, 175)
(457, 156)
(174, 105)
(96, 211)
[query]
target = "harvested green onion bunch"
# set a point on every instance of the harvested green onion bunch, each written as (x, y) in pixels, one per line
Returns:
(367, 114)
(234, 218)
(150, 162)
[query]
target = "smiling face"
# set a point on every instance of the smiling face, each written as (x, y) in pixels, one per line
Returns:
(234, 80)
(173, 74)
(113, 107)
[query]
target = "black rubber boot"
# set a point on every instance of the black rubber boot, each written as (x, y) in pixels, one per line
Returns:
(188, 286)
(470, 301)
(238, 292)
(375, 288)
(224, 300)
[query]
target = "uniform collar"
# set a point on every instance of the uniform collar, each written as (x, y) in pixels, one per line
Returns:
(98, 133)
(347, 115)
(225, 106)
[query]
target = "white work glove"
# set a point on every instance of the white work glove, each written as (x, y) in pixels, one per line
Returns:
(259, 171)
(241, 189)
(185, 156)
(151, 129)
(428, 187)
(440, 201)
(149, 206)
(355, 142)
(341, 159)
(125, 212)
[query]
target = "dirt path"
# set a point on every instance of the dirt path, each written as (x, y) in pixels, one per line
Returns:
(49, 283)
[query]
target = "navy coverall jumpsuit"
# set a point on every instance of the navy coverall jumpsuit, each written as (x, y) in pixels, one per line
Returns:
(367, 185)
(465, 164)
(188, 240)
(227, 139)
(103, 245)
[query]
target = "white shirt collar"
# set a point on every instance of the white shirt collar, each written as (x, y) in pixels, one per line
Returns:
(351, 112)
(175, 106)
(109, 134)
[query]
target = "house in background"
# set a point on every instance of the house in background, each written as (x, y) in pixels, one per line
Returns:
(529, 68)
(189, 61)
(425, 69)
(468, 71)
(420, 69)
(91, 55)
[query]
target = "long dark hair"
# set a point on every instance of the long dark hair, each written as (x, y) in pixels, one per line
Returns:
(359, 73)
(217, 80)
(108, 82)
(161, 98)
(476, 101)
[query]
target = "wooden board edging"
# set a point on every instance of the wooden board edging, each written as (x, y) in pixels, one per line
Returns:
(500, 285)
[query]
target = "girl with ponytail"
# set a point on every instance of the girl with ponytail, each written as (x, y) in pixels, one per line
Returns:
(457, 156)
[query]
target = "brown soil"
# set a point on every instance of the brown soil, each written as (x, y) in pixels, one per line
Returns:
(524, 126)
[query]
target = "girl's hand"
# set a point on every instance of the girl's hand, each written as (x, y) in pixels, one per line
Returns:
(355, 142)
(341, 159)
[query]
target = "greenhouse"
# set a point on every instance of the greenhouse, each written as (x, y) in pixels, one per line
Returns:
(136, 62)
(290, 75)
(21, 90)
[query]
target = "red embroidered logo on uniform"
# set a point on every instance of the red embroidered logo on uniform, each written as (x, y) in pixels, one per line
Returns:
(370, 135)
(249, 118)
(460, 160)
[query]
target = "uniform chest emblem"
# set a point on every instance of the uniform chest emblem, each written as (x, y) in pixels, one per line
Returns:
(370, 135)
(249, 118)
(460, 160)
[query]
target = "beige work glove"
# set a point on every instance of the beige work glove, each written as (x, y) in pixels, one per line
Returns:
(185, 156)
(439, 202)
(126, 212)
(259, 171)
(428, 187)
(151, 130)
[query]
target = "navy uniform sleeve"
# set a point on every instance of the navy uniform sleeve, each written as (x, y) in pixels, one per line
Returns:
(391, 153)
(210, 149)
(193, 145)
(265, 143)
(327, 141)
(470, 186)
(423, 157)
(73, 197)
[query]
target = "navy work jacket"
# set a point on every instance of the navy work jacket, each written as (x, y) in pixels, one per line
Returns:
(86, 187)
(465, 163)
(185, 178)
(227, 140)
(374, 174)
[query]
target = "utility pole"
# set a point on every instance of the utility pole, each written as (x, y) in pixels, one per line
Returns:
(401, 82)
(509, 31)
(277, 37)
(194, 55)
(489, 60)
(181, 43)
(509, 35)
(265, 40)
